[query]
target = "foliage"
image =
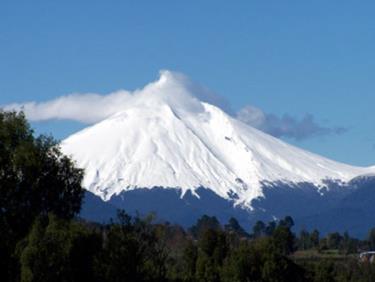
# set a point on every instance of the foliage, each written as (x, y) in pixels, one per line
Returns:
(234, 227)
(132, 251)
(58, 250)
(204, 223)
(371, 239)
(35, 179)
(41, 240)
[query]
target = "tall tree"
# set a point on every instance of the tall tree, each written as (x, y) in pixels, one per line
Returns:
(35, 178)
(315, 238)
(371, 239)
(259, 229)
(283, 240)
(203, 224)
(58, 250)
(304, 241)
(132, 251)
(234, 227)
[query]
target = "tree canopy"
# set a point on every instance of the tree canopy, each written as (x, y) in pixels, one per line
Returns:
(35, 179)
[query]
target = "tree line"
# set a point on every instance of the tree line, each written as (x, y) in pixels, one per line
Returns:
(42, 239)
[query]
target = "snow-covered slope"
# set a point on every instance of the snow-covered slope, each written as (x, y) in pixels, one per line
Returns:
(177, 141)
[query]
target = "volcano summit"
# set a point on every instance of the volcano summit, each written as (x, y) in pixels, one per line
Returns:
(165, 137)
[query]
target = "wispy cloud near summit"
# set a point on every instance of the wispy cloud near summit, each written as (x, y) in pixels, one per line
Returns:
(173, 88)
(286, 125)
(176, 90)
(86, 108)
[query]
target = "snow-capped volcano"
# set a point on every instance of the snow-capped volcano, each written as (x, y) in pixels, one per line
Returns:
(166, 137)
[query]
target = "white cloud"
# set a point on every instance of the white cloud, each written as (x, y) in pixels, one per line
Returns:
(174, 88)
(286, 125)
(252, 116)
(87, 108)
(180, 93)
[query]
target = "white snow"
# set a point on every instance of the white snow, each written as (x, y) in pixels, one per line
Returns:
(176, 141)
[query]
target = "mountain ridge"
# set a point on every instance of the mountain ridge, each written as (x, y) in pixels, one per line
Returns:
(177, 141)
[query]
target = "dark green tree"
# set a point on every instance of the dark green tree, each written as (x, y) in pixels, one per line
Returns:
(234, 227)
(334, 240)
(58, 250)
(371, 239)
(243, 264)
(284, 240)
(315, 238)
(212, 251)
(270, 228)
(287, 222)
(304, 240)
(259, 260)
(348, 245)
(204, 223)
(35, 179)
(189, 257)
(259, 229)
(132, 251)
(325, 272)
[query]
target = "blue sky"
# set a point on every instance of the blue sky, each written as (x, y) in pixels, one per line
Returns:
(283, 57)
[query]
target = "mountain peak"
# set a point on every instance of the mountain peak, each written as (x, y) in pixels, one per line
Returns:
(174, 140)
(172, 89)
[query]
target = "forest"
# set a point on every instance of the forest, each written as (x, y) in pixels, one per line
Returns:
(42, 237)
